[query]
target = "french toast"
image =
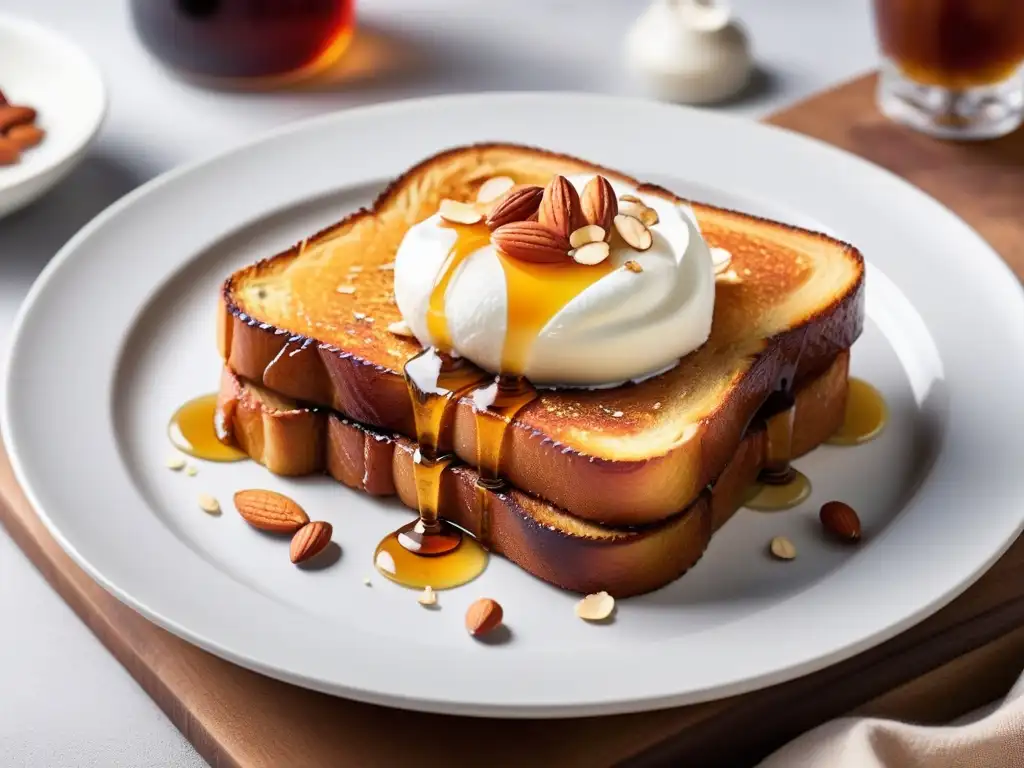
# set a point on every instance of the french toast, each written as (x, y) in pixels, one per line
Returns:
(628, 456)
(560, 548)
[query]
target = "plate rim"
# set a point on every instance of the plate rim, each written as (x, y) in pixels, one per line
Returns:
(604, 707)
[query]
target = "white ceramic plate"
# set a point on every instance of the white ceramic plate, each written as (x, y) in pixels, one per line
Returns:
(119, 331)
(41, 69)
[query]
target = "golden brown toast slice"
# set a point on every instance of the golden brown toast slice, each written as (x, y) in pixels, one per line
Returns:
(625, 456)
(548, 542)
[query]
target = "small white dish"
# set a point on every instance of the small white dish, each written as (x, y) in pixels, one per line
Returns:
(939, 492)
(41, 69)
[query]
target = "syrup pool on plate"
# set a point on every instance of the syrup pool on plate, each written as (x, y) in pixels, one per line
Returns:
(193, 429)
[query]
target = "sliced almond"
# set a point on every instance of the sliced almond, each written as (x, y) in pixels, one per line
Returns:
(596, 607)
(591, 253)
(494, 188)
(634, 209)
(649, 216)
(782, 548)
(175, 463)
(591, 233)
(632, 199)
(400, 328)
(720, 259)
(427, 597)
(384, 267)
(459, 213)
(191, 470)
(634, 232)
(209, 504)
(633, 266)
(346, 289)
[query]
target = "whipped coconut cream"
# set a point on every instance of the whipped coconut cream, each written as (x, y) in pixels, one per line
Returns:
(625, 326)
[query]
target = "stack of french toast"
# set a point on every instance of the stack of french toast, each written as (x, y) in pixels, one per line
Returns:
(617, 489)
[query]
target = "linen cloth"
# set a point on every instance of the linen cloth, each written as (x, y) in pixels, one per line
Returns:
(992, 737)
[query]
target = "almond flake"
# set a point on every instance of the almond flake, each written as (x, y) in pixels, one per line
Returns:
(427, 598)
(782, 548)
(591, 253)
(459, 213)
(175, 463)
(617, 415)
(191, 470)
(355, 268)
(358, 315)
(494, 188)
(649, 216)
(367, 582)
(729, 276)
(631, 199)
(634, 232)
(657, 406)
(633, 266)
(389, 265)
(591, 233)
(400, 328)
(636, 210)
(596, 607)
(347, 289)
(720, 259)
(209, 504)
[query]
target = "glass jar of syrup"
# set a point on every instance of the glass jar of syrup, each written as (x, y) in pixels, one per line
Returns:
(248, 43)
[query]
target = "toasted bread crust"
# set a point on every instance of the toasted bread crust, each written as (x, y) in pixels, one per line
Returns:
(602, 488)
(547, 542)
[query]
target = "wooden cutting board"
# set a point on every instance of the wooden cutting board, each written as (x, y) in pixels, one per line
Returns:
(961, 657)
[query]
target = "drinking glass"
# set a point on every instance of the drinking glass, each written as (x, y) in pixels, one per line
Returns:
(952, 68)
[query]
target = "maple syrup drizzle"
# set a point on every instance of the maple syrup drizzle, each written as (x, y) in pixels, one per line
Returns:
(494, 408)
(195, 429)
(865, 417)
(431, 551)
(779, 485)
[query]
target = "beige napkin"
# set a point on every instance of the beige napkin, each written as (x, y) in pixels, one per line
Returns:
(990, 738)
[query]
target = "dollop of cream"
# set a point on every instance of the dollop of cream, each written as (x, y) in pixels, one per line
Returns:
(625, 326)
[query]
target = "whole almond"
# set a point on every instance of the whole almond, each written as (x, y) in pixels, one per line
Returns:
(10, 152)
(310, 540)
(483, 616)
(599, 204)
(11, 115)
(530, 241)
(560, 207)
(840, 520)
(516, 205)
(25, 136)
(270, 511)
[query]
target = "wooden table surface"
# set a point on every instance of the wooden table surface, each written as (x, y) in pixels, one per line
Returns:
(961, 657)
